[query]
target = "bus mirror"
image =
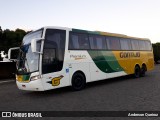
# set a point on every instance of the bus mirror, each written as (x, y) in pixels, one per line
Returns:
(13, 53)
(34, 45)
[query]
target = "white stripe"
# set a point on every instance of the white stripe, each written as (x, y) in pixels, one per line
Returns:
(6, 81)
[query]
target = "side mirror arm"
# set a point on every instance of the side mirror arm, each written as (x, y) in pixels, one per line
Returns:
(9, 52)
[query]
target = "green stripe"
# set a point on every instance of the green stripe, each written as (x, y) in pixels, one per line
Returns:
(26, 77)
(86, 31)
(105, 61)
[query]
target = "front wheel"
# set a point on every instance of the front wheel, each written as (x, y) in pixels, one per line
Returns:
(78, 81)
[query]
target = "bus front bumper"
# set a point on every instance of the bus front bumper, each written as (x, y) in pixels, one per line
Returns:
(35, 85)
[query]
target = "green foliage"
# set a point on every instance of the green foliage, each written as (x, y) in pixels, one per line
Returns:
(156, 51)
(10, 38)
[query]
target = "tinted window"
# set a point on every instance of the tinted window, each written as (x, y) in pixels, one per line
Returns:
(53, 53)
(93, 43)
(142, 45)
(113, 43)
(101, 43)
(125, 44)
(78, 41)
(148, 45)
(83, 41)
(135, 45)
(73, 42)
(97, 42)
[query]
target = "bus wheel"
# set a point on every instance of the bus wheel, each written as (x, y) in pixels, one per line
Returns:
(136, 72)
(78, 81)
(143, 70)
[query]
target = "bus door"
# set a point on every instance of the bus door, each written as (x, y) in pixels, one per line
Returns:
(53, 72)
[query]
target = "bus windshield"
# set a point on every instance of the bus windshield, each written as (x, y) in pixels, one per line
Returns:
(28, 61)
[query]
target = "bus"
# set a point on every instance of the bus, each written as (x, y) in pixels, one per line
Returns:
(54, 57)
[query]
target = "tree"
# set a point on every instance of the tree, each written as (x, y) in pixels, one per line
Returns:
(0, 29)
(10, 38)
(0, 34)
(19, 36)
(156, 51)
(0, 41)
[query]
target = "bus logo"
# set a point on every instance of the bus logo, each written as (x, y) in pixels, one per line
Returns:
(78, 57)
(56, 81)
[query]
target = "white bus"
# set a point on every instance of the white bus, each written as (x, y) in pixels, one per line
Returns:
(54, 57)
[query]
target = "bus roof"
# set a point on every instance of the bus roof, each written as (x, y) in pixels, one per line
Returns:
(97, 32)
(108, 34)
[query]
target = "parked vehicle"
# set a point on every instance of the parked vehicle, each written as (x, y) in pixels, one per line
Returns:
(7, 67)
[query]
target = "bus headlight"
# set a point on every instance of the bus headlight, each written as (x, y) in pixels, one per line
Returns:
(35, 77)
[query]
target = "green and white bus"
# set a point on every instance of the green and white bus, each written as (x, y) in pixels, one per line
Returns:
(54, 57)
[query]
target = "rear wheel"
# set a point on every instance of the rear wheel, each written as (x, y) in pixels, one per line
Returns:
(137, 71)
(78, 81)
(143, 70)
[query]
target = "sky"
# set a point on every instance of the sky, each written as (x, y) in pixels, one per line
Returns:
(138, 18)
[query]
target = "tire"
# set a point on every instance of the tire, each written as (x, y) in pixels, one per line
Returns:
(137, 72)
(78, 81)
(143, 71)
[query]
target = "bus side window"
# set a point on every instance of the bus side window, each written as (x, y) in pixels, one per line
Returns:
(78, 41)
(101, 42)
(73, 42)
(92, 42)
(125, 44)
(142, 45)
(135, 45)
(97, 42)
(83, 41)
(148, 45)
(113, 43)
